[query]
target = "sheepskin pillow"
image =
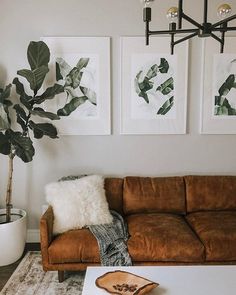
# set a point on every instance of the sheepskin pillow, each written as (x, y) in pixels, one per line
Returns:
(78, 203)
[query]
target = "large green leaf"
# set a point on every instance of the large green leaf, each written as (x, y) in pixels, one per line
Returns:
(58, 73)
(41, 113)
(71, 106)
(35, 77)
(82, 63)
(24, 148)
(164, 109)
(41, 129)
(166, 87)
(4, 108)
(25, 99)
(21, 117)
(49, 93)
(38, 55)
(90, 94)
(164, 66)
(5, 144)
(20, 111)
(5, 93)
(23, 145)
(4, 122)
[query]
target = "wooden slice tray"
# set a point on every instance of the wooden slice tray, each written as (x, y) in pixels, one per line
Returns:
(124, 283)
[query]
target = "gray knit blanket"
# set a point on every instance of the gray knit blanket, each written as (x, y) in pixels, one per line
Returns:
(112, 240)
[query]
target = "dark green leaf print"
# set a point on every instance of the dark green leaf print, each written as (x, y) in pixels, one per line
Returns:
(164, 109)
(166, 87)
(71, 106)
(222, 105)
(164, 66)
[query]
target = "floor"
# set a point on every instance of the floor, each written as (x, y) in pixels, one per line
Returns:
(6, 271)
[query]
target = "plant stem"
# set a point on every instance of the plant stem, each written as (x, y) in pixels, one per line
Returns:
(9, 188)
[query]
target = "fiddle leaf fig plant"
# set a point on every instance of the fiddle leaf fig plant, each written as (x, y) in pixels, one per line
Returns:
(27, 112)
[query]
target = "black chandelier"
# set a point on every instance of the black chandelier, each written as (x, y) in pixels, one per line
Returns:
(206, 29)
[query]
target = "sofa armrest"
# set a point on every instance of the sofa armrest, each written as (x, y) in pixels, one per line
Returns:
(46, 234)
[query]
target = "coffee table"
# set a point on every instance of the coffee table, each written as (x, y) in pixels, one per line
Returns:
(173, 280)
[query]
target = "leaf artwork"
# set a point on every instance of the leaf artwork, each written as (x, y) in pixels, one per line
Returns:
(76, 94)
(144, 84)
(166, 87)
(222, 104)
(164, 109)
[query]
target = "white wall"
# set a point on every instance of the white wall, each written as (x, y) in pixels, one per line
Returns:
(26, 20)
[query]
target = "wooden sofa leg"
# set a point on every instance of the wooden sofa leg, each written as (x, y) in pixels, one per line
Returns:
(61, 276)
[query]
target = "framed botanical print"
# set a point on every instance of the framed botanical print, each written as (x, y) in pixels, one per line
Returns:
(82, 66)
(218, 108)
(154, 86)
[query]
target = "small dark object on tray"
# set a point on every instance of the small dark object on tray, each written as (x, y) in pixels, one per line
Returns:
(125, 283)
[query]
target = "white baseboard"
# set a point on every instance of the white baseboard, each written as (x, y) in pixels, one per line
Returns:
(33, 236)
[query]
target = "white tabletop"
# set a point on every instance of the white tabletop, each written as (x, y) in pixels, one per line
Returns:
(173, 280)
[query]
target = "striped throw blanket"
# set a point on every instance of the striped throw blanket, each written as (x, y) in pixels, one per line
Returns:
(112, 240)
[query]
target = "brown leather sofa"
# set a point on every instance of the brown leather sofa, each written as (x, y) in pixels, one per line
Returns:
(171, 220)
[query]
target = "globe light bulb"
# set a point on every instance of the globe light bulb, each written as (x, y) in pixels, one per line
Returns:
(224, 11)
(147, 2)
(172, 14)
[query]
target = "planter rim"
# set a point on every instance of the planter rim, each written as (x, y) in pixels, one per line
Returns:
(14, 211)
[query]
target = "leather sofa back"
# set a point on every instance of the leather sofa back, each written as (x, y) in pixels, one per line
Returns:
(210, 193)
(178, 195)
(114, 193)
(159, 194)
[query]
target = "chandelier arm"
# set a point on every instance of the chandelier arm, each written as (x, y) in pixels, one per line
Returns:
(192, 21)
(166, 32)
(220, 29)
(172, 43)
(228, 19)
(216, 38)
(185, 38)
(223, 42)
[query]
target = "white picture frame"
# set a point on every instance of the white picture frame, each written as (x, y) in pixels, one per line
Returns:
(143, 113)
(92, 117)
(218, 105)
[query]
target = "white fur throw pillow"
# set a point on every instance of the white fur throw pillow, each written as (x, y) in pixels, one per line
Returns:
(78, 203)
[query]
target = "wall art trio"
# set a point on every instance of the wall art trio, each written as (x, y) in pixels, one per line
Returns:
(153, 86)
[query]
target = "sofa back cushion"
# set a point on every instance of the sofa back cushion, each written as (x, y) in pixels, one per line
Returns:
(210, 193)
(150, 195)
(114, 193)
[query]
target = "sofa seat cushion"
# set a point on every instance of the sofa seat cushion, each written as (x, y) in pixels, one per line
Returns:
(217, 231)
(163, 237)
(74, 246)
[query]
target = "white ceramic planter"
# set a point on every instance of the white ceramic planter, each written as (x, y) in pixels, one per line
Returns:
(12, 237)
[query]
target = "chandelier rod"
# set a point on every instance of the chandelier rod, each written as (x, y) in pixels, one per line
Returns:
(205, 11)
